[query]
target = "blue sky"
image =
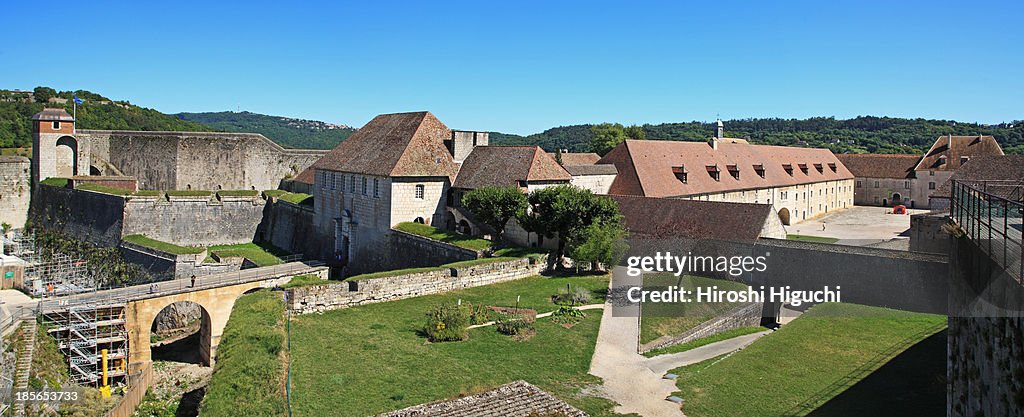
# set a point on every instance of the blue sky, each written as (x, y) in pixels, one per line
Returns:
(524, 66)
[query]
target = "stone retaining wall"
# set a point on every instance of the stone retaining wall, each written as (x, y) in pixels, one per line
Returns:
(159, 262)
(338, 295)
(743, 316)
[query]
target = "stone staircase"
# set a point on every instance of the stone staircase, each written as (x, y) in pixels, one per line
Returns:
(23, 366)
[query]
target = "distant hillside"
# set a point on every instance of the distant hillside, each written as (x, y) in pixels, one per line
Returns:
(98, 112)
(288, 132)
(858, 135)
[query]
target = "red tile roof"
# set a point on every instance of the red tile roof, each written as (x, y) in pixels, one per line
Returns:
(53, 114)
(667, 218)
(945, 153)
(1000, 172)
(880, 165)
(646, 167)
(507, 165)
(395, 145)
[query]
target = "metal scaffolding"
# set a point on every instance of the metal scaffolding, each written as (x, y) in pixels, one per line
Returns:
(50, 274)
(83, 332)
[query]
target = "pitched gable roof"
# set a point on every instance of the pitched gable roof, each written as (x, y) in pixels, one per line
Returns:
(880, 165)
(666, 218)
(945, 153)
(506, 166)
(648, 167)
(392, 145)
(1003, 172)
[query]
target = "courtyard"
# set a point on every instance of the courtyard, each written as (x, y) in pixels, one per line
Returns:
(856, 226)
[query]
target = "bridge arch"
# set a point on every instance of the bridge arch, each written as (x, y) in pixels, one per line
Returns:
(194, 347)
(216, 303)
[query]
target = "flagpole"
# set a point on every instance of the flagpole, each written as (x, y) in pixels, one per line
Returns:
(74, 115)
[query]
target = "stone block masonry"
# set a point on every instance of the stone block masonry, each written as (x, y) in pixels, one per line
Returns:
(334, 296)
(742, 316)
(15, 189)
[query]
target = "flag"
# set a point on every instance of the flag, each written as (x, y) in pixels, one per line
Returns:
(78, 100)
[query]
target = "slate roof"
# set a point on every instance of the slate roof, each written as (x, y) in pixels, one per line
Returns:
(506, 166)
(646, 167)
(392, 145)
(667, 218)
(53, 115)
(880, 165)
(517, 399)
(596, 169)
(954, 147)
(1006, 168)
(579, 158)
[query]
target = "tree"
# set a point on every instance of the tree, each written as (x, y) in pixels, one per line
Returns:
(567, 211)
(495, 206)
(43, 94)
(606, 137)
(636, 132)
(602, 244)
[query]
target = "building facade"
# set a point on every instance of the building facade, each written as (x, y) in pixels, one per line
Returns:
(799, 183)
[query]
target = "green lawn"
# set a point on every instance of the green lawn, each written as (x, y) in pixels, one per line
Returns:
(303, 280)
(56, 182)
(104, 189)
(248, 376)
(296, 198)
(397, 272)
(815, 239)
(673, 319)
(457, 239)
(371, 359)
(238, 193)
(261, 255)
(801, 361)
(726, 335)
(161, 246)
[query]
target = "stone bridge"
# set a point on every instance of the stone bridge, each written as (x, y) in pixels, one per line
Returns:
(215, 294)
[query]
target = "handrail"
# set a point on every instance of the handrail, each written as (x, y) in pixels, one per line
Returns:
(992, 220)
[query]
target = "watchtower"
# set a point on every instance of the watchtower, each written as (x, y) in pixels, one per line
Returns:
(56, 152)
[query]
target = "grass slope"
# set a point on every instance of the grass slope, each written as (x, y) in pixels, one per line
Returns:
(779, 372)
(162, 246)
(248, 378)
(261, 255)
(460, 240)
(815, 239)
(671, 319)
(371, 359)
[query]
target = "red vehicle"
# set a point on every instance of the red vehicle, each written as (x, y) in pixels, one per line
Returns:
(900, 209)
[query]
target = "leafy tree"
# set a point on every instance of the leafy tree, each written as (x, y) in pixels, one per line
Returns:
(606, 137)
(636, 132)
(43, 94)
(601, 245)
(495, 206)
(567, 211)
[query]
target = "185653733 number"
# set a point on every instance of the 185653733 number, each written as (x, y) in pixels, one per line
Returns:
(47, 396)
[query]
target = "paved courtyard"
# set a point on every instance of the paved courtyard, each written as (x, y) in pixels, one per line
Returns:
(857, 226)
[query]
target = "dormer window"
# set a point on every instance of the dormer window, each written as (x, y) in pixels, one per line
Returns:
(964, 159)
(820, 168)
(942, 160)
(759, 169)
(803, 168)
(734, 171)
(832, 166)
(680, 173)
(713, 172)
(788, 168)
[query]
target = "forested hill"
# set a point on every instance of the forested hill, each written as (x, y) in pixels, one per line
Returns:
(97, 112)
(858, 135)
(288, 132)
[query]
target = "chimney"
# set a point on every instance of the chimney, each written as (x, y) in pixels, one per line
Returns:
(714, 143)
(719, 129)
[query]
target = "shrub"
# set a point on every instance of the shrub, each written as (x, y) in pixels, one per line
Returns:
(479, 314)
(580, 296)
(515, 325)
(447, 323)
(567, 315)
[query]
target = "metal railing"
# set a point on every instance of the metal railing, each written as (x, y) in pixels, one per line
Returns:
(990, 214)
(120, 295)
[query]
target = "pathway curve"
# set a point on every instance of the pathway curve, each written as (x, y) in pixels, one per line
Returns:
(627, 379)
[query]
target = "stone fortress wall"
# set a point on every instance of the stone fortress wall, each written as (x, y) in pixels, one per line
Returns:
(15, 190)
(103, 219)
(195, 160)
(338, 295)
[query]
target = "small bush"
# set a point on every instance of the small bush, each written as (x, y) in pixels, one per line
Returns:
(479, 314)
(580, 296)
(567, 315)
(514, 326)
(447, 323)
